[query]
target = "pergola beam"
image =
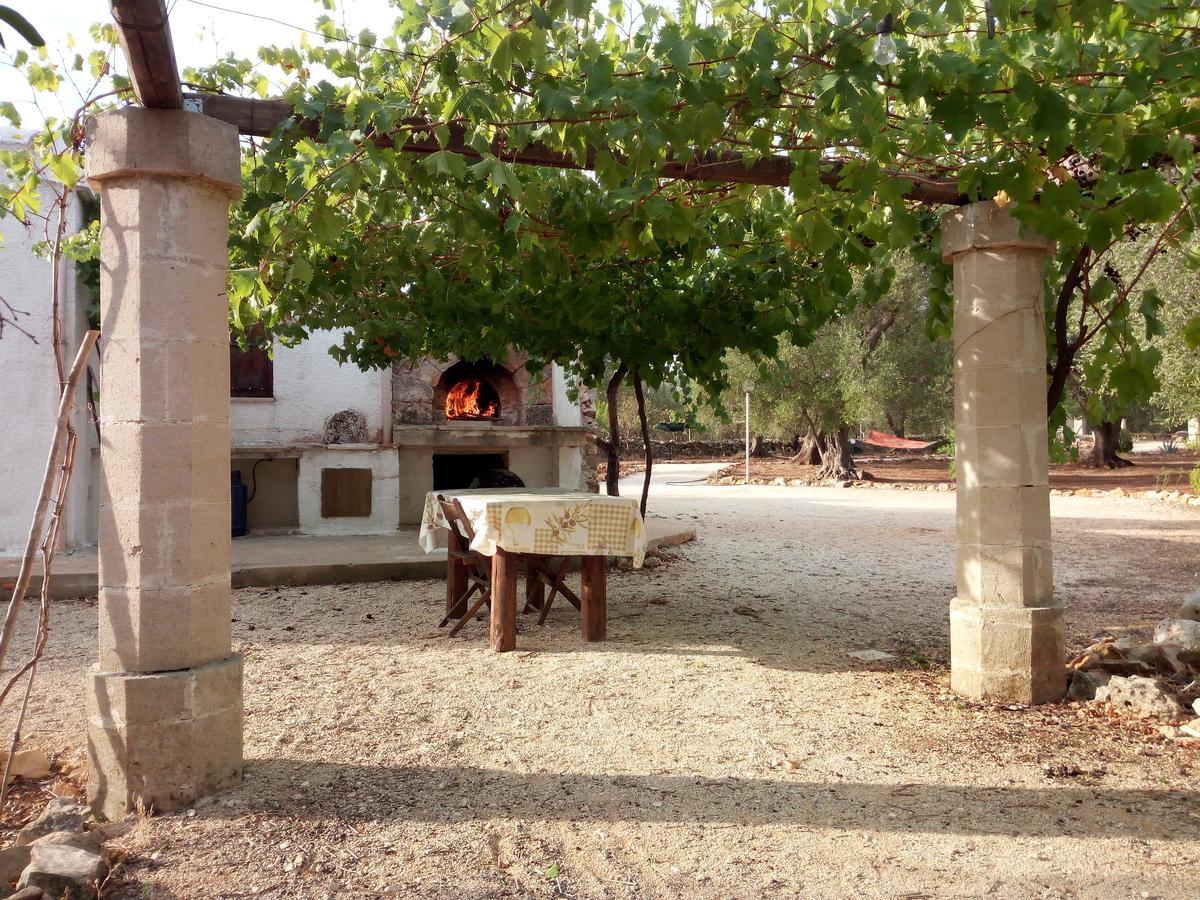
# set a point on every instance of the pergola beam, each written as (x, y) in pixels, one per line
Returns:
(262, 117)
(146, 39)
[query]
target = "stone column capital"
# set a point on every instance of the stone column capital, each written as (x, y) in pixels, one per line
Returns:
(132, 142)
(987, 226)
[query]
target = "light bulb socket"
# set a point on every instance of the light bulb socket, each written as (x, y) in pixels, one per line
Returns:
(884, 25)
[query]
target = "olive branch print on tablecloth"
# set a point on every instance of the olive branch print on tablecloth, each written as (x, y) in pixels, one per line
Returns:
(563, 525)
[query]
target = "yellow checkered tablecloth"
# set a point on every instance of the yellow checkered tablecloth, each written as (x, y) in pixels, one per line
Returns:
(548, 521)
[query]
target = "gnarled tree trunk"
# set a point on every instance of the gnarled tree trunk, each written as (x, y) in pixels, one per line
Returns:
(896, 424)
(612, 477)
(756, 446)
(1105, 436)
(837, 463)
(810, 450)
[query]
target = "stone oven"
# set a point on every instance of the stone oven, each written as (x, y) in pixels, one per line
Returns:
(497, 393)
(453, 420)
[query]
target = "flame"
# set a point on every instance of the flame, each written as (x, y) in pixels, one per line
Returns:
(462, 402)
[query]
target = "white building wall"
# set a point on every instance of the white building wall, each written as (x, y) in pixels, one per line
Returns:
(29, 383)
(566, 410)
(310, 385)
(385, 489)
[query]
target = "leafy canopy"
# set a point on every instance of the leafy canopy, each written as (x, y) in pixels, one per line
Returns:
(1080, 114)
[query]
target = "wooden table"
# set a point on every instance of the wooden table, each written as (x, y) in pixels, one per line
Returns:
(514, 523)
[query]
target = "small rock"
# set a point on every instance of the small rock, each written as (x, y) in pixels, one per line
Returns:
(1084, 685)
(63, 871)
(1191, 605)
(13, 861)
(27, 764)
(60, 814)
(871, 655)
(83, 840)
(1153, 657)
(1143, 696)
(780, 481)
(29, 893)
(1192, 728)
(1179, 640)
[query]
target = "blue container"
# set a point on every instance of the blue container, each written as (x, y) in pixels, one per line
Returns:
(238, 499)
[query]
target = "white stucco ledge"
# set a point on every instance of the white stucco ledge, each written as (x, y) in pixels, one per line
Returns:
(500, 436)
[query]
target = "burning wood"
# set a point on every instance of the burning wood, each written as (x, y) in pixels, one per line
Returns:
(468, 400)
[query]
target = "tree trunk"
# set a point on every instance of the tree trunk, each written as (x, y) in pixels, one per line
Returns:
(649, 449)
(837, 463)
(613, 475)
(810, 450)
(756, 446)
(1105, 436)
(896, 424)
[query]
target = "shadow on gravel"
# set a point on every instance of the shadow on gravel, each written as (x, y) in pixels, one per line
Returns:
(453, 795)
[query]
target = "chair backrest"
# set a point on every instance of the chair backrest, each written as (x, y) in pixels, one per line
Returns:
(456, 518)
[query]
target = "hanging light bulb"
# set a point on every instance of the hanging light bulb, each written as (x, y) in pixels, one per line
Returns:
(885, 44)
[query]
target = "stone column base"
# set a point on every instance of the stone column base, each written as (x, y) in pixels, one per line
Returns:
(164, 738)
(1008, 654)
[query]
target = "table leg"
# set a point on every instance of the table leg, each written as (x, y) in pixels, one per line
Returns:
(504, 600)
(456, 580)
(594, 600)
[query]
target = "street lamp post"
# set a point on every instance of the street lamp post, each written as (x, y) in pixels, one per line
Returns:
(748, 388)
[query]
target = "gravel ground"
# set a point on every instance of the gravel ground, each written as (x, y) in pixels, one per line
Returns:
(721, 743)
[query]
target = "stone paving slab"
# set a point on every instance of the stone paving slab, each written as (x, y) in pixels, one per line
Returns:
(270, 560)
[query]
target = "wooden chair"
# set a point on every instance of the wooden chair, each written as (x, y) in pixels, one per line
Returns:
(463, 561)
(541, 573)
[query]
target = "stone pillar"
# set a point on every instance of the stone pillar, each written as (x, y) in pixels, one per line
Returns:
(1006, 628)
(165, 702)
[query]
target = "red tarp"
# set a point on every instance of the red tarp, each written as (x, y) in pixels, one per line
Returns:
(891, 442)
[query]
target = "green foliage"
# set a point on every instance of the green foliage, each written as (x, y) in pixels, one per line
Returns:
(874, 366)
(1086, 108)
(1194, 479)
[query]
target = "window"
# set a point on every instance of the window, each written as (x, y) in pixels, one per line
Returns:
(251, 373)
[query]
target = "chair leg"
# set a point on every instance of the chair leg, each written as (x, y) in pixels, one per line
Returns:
(458, 604)
(470, 613)
(557, 587)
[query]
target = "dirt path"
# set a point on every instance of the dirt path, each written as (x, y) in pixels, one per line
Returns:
(1151, 471)
(721, 743)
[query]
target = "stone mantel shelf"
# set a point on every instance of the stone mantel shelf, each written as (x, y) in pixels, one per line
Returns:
(277, 451)
(469, 435)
